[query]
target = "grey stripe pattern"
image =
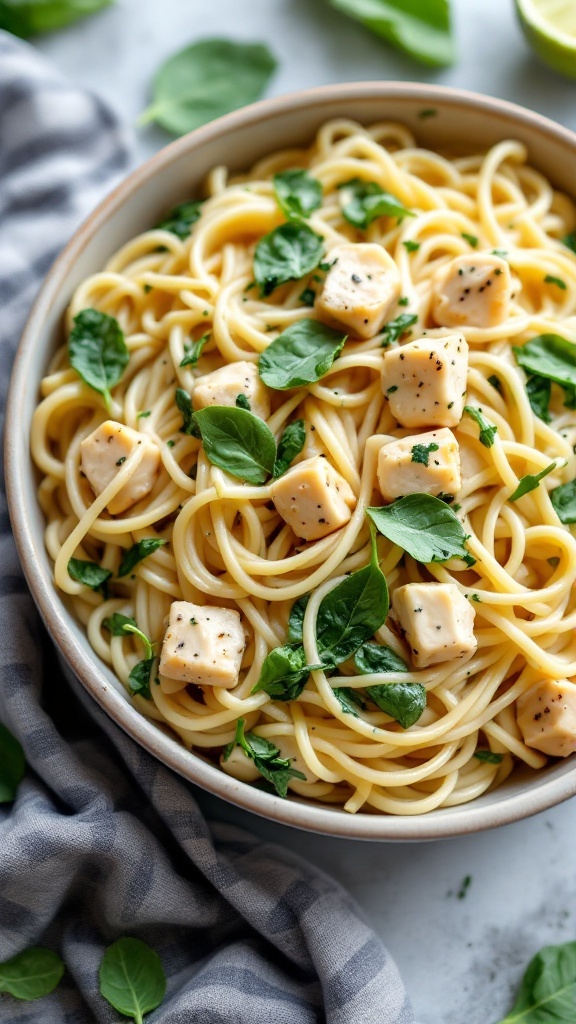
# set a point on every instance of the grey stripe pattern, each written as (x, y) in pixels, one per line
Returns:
(102, 840)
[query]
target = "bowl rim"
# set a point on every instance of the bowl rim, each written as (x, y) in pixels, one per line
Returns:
(463, 819)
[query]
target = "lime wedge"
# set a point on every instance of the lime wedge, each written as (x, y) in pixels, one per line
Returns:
(550, 28)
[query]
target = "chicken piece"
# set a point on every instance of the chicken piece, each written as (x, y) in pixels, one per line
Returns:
(202, 645)
(422, 462)
(313, 498)
(437, 621)
(425, 381)
(240, 766)
(546, 716)
(103, 453)
(360, 289)
(472, 291)
(222, 387)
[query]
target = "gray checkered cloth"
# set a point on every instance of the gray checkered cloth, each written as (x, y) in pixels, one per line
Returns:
(103, 840)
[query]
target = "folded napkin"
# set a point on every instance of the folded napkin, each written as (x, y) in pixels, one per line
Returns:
(103, 840)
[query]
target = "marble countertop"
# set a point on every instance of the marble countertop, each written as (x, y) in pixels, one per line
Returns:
(461, 958)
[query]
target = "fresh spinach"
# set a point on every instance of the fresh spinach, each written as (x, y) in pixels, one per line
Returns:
(421, 452)
(551, 357)
(297, 192)
(548, 990)
(530, 482)
(287, 253)
(495, 382)
(351, 701)
(29, 18)
(90, 574)
(132, 978)
(31, 974)
(238, 442)
(290, 445)
(423, 526)
(570, 241)
(12, 766)
(139, 678)
(296, 620)
(539, 390)
(206, 80)
(563, 499)
(184, 404)
(394, 329)
(117, 623)
(301, 355)
(488, 756)
(275, 769)
(97, 351)
(243, 402)
(488, 430)
(193, 351)
(284, 673)
(180, 219)
(364, 201)
(550, 279)
(404, 702)
(471, 239)
(373, 657)
(410, 245)
(137, 553)
(422, 30)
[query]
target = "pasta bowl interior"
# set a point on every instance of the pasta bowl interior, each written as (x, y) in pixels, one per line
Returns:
(298, 515)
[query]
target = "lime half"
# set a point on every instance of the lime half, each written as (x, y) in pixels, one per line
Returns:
(550, 28)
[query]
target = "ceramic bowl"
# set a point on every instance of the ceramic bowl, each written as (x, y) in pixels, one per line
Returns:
(463, 122)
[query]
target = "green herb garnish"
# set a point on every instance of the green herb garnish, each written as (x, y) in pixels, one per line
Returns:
(98, 352)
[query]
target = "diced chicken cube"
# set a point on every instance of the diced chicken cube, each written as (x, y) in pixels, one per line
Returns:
(202, 645)
(222, 387)
(422, 462)
(546, 716)
(240, 766)
(313, 498)
(105, 451)
(360, 288)
(425, 381)
(472, 291)
(437, 620)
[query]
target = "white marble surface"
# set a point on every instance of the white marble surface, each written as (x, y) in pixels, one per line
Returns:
(461, 958)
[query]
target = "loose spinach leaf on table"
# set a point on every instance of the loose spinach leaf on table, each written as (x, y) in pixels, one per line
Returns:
(539, 391)
(208, 79)
(548, 990)
(530, 482)
(290, 445)
(180, 219)
(488, 430)
(570, 241)
(422, 30)
(403, 701)
(132, 978)
(563, 499)
(89, 573)
(423, 526)
(394, 329)
(30, 18)
(265, 755)
(284, 673)
(297, 192)
(238, 442)
(12, 765)
(31, 974)
(137, 553)
(97, 351)
(364, 201)
(287, 253)
(302, 354)
(193, 350)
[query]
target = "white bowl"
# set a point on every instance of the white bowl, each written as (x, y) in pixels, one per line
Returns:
(464, 122)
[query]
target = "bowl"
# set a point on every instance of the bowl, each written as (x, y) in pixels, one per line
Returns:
(462, 121)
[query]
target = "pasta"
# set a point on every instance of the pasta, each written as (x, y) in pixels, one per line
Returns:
(187, 306)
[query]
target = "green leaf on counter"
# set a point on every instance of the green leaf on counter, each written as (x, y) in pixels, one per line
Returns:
(423, 30)
(132, 978)
(26, 18)
(548, 990)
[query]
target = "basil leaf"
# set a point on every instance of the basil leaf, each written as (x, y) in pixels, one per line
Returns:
(28, 18)
(487, 430)
(376, 658)
(31, 974)
(548, 990)
(422, 452)
(422, 30)
(179, 219)
(89, 573)
(139, 678)
(117, 623)
(97, 351)
(350, 700)
(296, 620)
(404, 702)
(563, 499)
(488, 756)
(132, 978)
(286, 254)
(289, 446)
(539, 390)
(364, 201)
(273, 768)
(424, 527)
(302, 354)
(184, 404)
(238, 442)
(530, 482)
(206, 80)
(352, 612)
(138, 552)
(193, 351)
(12, 766)
(284, 673)
(549, 356)
(394, 329)
(297, 192)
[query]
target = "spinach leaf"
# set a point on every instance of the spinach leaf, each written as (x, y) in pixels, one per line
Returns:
(89, 573)
(539, 390)
(117, 623)
(297, 192)
(242, 402)
(563, 499)
(570, 241)
(31, 974)
(487, 430)
(139, 678)
(403, 701)
(289, 446)
(350, 700)
(302, 354)
(30, 18)
(530, 482)
(410, 245)
(296, 620)
(132, 978)
(422, 30)
(206, 80)
(193, 351)
(550, 279)
(495, 382)
(97, 351)
(352, 612)
(275, 769)
(179, 219)
(488, 756)
(238, 442)
(287, 253)
(184, 404)
(394, 329)
(471, 239)
(137, 552)
(424, 526)
(284, 673)
(548, 990)
(373, 657)
(364, 201)
(12, 766)
(421, 452)
(308, 297)
(549, 356)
